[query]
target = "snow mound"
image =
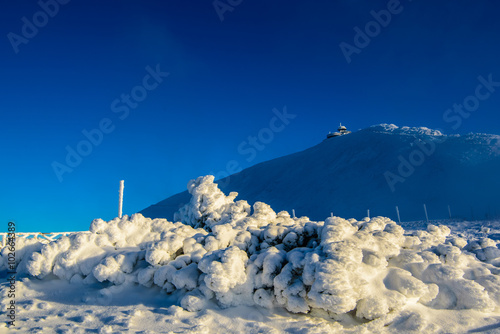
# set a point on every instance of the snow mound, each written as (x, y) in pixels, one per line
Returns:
(226, 251)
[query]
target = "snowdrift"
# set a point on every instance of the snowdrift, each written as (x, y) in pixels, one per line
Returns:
(225, 251)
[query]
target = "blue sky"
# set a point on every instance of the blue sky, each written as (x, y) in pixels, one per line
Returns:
(89, 66)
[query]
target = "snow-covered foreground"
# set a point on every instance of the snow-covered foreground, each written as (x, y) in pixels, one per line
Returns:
(228, 268)
(56, 306)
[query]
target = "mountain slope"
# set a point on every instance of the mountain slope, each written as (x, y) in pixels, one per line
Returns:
(375, 168)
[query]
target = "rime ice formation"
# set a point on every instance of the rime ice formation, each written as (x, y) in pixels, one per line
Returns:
(228, 252)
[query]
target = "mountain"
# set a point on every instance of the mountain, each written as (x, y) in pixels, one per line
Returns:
(376, 169)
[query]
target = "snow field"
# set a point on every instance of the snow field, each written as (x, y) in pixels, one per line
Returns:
(367, 273)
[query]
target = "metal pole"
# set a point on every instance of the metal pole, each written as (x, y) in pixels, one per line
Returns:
(293, 211)
(397, 211)
(120, 199)
(368, 213)
(426, 216)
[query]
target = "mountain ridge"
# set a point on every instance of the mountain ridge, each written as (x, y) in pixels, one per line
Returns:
(376, 169)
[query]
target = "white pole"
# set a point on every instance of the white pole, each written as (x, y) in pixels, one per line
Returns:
(426, 216)
(120, 199)
(368, 213)
(449, 211)
(293, 211)
(397, 211)
(331, 214)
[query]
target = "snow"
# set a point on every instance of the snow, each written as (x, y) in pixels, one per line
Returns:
(226, 266)
(346, 175)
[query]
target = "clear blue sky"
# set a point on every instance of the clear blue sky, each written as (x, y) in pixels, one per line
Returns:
(75, 70)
